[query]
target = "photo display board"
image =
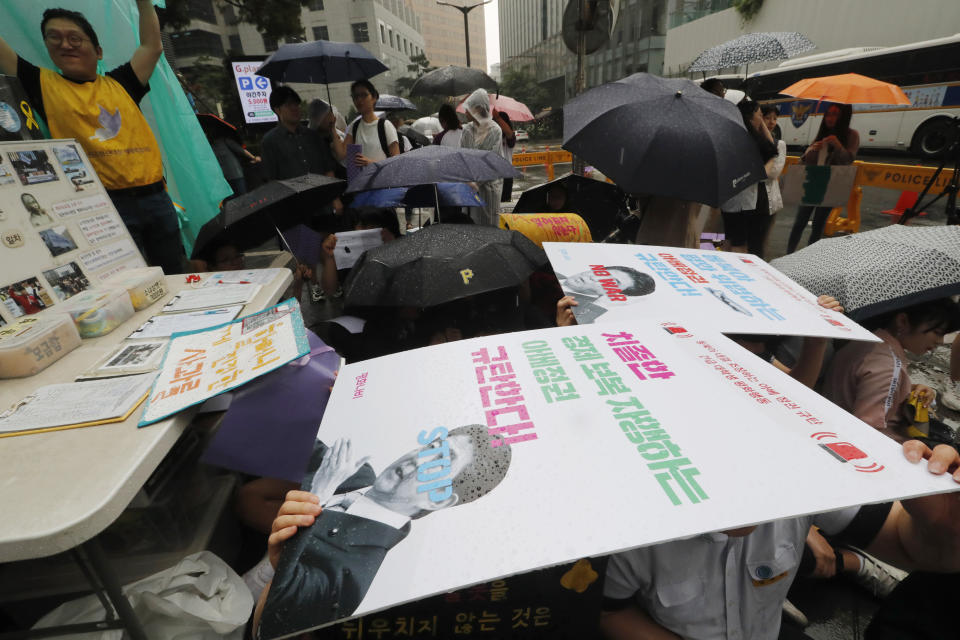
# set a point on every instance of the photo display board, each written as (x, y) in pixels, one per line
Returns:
(59, 232)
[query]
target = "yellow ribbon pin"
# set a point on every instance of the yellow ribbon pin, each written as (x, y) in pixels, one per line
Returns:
(27, 111)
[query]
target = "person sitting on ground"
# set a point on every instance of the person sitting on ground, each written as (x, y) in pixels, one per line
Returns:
(870, 379)
(733, 584)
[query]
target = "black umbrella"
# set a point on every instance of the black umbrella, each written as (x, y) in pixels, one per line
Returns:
(439, 264)
(452, 81)
(256, 216)
(882, 270)
(321, 62)
(598, 203)
(415, 136)
(387, 102)
(665, 137)
(433, 164)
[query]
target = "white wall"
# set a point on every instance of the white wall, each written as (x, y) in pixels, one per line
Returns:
(831, 24)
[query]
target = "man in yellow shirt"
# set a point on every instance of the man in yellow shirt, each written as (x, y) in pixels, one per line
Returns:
(102, 113)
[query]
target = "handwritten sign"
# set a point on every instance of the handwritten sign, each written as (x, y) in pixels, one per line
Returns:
(202, 364)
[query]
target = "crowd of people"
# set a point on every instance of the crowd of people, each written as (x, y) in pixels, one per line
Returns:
(704, 587)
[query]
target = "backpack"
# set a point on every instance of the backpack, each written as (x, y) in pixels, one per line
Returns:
(381, 133)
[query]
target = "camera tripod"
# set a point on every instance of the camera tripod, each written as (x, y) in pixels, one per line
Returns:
(951, 152)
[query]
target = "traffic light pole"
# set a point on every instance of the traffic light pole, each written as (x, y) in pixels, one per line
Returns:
(465, 10)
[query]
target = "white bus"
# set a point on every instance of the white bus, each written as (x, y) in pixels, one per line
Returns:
(928, 72)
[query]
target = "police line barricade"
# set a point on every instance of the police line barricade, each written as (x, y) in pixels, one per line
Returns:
(537, 158)
(547, 227)
(881, 176)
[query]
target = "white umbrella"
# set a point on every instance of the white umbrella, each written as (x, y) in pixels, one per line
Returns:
(427, 125)
(753, 47)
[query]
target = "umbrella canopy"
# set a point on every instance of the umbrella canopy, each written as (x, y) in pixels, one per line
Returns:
(441, 263)
(428, 125)
(415, 136)
(431, 165)
(517, 111)
(598, 203)
(847, 88)
(254, 217)
(877, 271)
(387, 102)
(665, 137)
(449, 194)
(753, 47)
(452, 81)
(321, 61)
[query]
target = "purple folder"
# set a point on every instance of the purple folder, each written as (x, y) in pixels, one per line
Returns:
(271, 425)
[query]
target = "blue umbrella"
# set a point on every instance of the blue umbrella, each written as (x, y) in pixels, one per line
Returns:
(432, 165)
(393, 103)
(449, 194)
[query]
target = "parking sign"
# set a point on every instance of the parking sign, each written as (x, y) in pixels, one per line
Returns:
(254, 92)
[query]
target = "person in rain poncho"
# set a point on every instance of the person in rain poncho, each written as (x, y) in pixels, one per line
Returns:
(483, 133)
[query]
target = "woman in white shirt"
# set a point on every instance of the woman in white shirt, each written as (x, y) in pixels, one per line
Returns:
(377, 136)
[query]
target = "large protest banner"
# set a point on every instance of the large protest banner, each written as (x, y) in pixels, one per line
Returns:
(732, 292)
(541, 447)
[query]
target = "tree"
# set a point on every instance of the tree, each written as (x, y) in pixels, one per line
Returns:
(520, 85)
(276, 19)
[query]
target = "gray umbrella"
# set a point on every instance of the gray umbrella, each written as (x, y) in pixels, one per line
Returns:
(753, 47)
(433, 164)
(877, 271)
(393, 103)
(452, 81)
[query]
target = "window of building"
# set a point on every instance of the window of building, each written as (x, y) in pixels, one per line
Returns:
(229, 15)
(390, 31)
(406, 46)
(202, 10)
(315, 5)
(321, 33)
(270, 44)
(360, 32)
(236, 44)
(197, 43)
(383, 34)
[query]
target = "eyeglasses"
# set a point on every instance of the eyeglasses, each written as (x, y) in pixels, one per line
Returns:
(360, 96)
(73, 39)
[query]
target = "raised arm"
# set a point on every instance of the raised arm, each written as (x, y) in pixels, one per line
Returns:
(8, 59)
(145, 58)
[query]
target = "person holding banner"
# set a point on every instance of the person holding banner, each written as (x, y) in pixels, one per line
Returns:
(836, 144)
(733, 584)
(325, 572)
(102, 113)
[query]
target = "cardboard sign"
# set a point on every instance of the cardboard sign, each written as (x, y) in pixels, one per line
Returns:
(591, 431)
(821, 186)
(201, 364)
(737, 292)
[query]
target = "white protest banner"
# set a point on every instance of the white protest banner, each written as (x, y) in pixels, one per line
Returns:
(201, 364)
(734, 292)
(821, 186)
(352, 244)
(531, 449)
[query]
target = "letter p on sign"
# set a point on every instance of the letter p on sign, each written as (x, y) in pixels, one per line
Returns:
(467, 275)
